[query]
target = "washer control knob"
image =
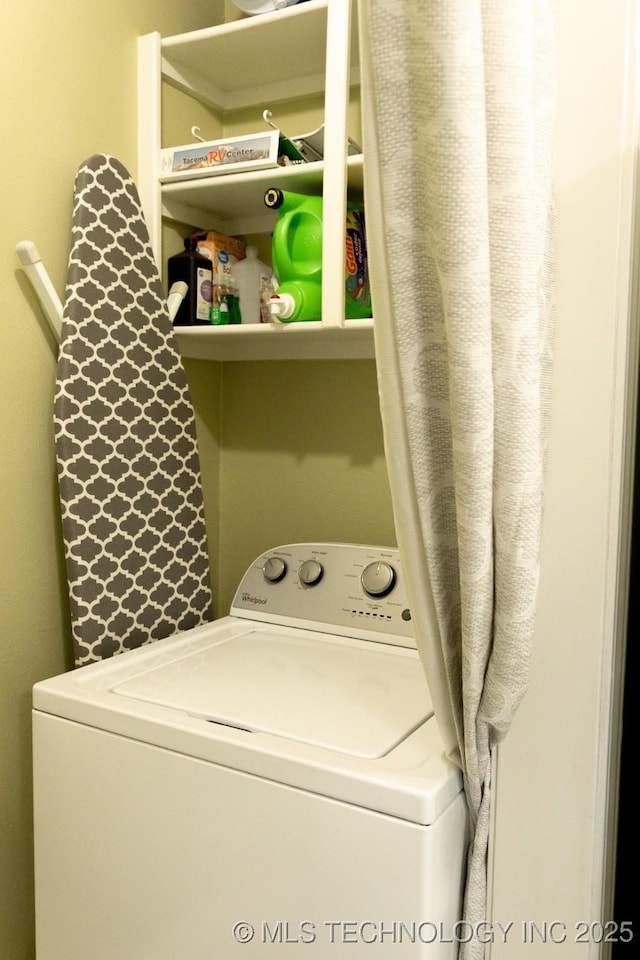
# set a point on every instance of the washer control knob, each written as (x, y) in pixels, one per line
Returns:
(274, 569)
(310, 572)
(378, 578)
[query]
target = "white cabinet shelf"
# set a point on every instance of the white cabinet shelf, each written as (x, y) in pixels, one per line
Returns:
(256, 59)
(235, 204)
(307, 49)
(279, 341)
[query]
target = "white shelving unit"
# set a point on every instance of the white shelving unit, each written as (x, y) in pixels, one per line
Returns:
(304, 50)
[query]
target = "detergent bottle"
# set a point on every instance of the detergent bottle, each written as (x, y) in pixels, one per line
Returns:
(296, 254)
(252, 277)
(195, 269)
(297, 258)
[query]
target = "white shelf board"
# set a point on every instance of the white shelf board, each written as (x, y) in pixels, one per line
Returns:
(278, 52)
(237, 199)
(237, 196)
(279, 341)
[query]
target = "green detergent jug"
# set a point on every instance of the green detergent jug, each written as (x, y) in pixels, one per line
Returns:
(297, 258)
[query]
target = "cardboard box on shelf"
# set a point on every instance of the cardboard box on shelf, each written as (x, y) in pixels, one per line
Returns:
(214, 157)
(224, 252)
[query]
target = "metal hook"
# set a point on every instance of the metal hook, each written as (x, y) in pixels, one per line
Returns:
(266, 116)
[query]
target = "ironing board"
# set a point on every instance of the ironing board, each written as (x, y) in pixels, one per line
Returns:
(125, 441)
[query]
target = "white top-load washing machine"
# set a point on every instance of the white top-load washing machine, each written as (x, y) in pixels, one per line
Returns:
(270, 785)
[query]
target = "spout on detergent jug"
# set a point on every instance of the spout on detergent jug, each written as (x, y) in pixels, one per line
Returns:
(282, 306)
(296, 300)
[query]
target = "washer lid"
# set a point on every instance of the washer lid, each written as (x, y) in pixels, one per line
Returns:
(355, 697)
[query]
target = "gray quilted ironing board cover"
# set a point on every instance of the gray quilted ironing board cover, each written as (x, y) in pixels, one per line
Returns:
(128, 466)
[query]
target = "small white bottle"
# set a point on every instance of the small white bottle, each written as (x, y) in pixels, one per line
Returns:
(251, 276)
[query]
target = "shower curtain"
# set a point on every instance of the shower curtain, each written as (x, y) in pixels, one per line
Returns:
(458, 106)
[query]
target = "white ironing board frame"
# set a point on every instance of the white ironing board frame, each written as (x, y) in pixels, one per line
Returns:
(34, 268)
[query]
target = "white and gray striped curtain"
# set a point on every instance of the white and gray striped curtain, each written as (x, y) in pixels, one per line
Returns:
(458, 130)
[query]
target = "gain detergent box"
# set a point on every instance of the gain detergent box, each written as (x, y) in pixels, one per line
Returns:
(357, 289)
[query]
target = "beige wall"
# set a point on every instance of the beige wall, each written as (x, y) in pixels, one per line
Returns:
(302, 460)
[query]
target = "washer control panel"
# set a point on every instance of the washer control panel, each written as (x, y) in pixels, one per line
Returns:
(347, 589)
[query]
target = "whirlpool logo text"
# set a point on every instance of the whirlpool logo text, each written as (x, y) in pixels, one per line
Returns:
(256, 601)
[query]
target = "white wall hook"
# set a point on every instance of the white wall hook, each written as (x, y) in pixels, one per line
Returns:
(34, 268)
(267, 117)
